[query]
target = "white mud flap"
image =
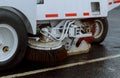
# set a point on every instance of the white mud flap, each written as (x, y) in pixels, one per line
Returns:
(84, 47)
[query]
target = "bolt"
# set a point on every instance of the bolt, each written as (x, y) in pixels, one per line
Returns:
(5, 49)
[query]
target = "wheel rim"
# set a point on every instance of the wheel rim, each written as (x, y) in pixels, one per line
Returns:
(8, 42)
(98, 29)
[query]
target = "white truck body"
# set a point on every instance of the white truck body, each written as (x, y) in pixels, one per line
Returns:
(62, 9)
(112, 4)
(65, 9)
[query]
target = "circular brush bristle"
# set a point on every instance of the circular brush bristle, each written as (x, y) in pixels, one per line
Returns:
(46, 57)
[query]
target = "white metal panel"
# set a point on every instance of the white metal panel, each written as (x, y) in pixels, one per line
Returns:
(113, 4)
(61, 7)
(27, 7)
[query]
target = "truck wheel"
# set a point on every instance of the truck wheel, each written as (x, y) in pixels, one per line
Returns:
(13, 39)
(101, 29)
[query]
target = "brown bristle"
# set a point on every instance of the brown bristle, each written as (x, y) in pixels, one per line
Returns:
(47, 57)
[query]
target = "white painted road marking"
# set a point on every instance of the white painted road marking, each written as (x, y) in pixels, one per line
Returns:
(61, 67)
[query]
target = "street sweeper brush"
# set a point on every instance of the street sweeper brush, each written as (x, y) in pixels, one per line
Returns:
(46, 57)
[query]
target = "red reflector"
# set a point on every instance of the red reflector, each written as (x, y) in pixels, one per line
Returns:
(117, 1)
(86, 14)
(51, 15)
(70, 14)
(110, 3)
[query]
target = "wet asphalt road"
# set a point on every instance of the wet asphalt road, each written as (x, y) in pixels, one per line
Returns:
(103, 69)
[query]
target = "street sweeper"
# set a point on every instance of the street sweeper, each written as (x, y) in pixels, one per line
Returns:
(48, 31)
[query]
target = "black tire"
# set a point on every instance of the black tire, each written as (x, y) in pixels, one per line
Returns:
(14, 22)
(103, 26)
